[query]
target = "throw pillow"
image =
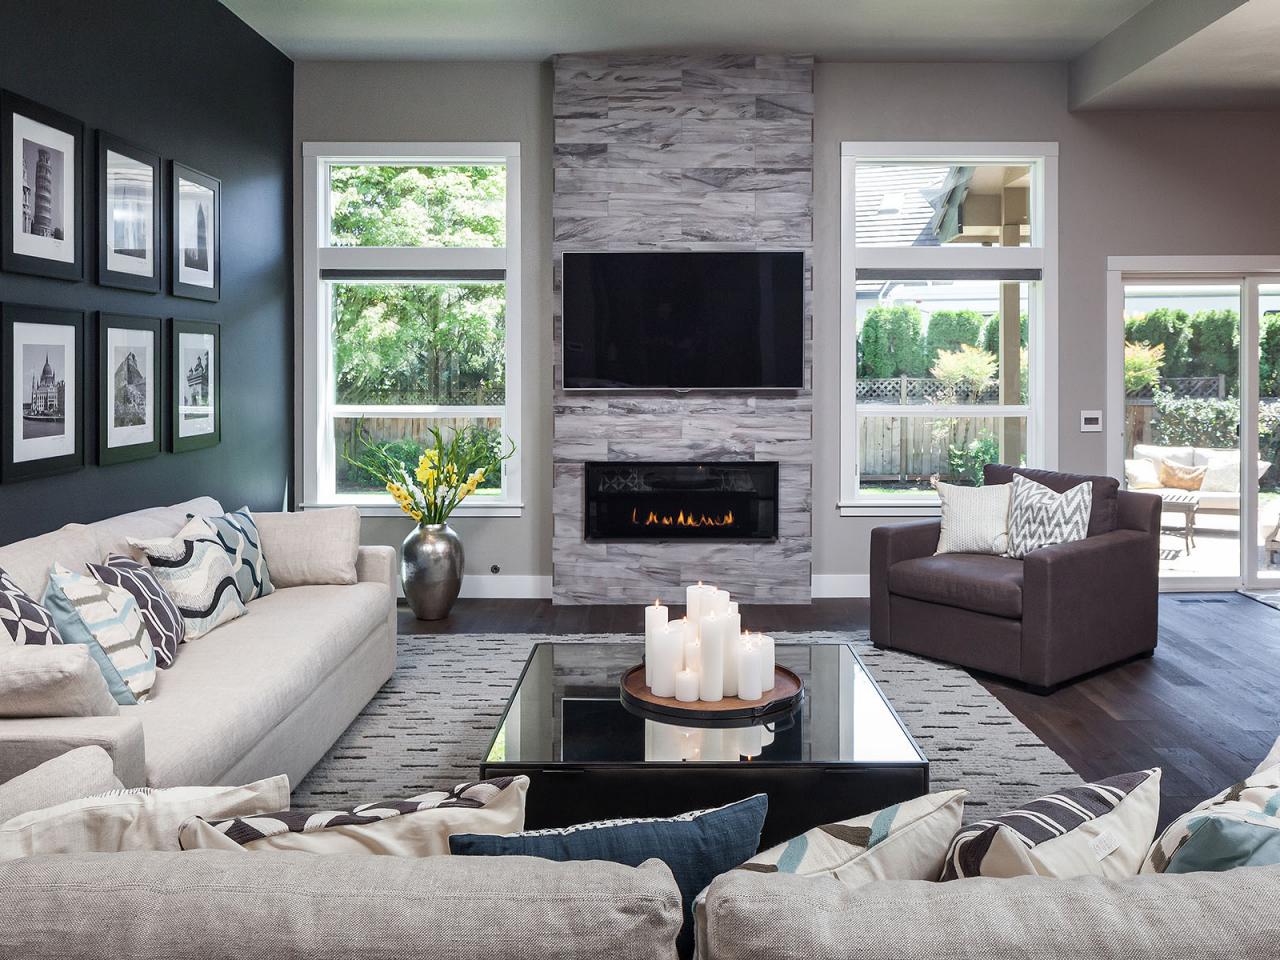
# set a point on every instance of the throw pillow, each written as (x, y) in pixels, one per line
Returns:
(1177, 477)
(974, 519)
(59, 680)
(1038, 517)
(1215, 844)
(23, 620)
(239, 536)
(196, 573)
(1256, 799)
(139, 819)
(697, 846)
(159, 613)
(106, 620)
(1098, 829)
(313, 547)
(1141, 474)
(417, 827)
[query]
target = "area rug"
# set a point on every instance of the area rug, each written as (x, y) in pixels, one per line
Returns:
(430, 725)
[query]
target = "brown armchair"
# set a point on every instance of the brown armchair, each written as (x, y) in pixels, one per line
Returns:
(1063, 611)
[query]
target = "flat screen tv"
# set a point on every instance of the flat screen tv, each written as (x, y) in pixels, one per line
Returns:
(683, 321)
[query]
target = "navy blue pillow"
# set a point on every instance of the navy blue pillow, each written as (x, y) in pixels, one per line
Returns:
(697, 846)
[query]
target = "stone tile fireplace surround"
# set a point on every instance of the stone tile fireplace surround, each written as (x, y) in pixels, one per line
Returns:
(683, 153)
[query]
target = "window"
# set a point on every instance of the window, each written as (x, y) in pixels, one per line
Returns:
(948, 320)
(411, 309)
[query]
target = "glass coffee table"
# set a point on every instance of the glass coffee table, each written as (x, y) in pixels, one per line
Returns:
(842, 753)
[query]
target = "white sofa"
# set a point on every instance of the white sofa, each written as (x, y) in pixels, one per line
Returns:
(1212, 500)
(265, 694)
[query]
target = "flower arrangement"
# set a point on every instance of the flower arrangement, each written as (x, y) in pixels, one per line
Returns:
(446, 471)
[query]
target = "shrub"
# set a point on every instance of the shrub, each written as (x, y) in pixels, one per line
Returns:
(952, 329)
(991, 334)
(965, 372)
(1269, 375)
(1195, 421)
(890, 344)
(967, 460)
(1214, 345)
(1170, 329)
(1142, 363)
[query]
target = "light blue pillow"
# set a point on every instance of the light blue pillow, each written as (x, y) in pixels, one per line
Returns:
(697, 846)
(1215, 844)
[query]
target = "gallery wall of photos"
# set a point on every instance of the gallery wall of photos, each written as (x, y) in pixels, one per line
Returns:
(151, 371)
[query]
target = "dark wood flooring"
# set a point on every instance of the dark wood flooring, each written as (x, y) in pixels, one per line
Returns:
(1205, 708)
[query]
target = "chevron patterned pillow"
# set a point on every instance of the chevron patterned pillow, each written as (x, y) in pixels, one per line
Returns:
(160, 614)
(197, 575)
(1038, 517)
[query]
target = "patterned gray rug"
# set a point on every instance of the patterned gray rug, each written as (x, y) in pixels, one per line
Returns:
(429, 726)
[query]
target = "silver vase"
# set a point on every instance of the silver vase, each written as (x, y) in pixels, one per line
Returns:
(431, 570)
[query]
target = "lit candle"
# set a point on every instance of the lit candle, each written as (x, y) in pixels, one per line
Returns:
(686, 686)
(749, 670)
(668, 660)
(697, 598)
(655, 619)
(712, 634)
(766, 661)
(732, 632)
(750, 741)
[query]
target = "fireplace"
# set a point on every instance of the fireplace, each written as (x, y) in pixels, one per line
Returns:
(682, 501)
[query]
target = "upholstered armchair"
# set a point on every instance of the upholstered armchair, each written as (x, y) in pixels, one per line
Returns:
(1061, 612)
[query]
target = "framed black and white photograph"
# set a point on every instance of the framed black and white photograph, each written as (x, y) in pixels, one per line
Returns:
(42, 405)
(128, 215)
(129, 378)
(42, 214)
(195, 360)
(195, 234)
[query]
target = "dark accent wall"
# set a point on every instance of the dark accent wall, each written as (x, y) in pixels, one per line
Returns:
(193, 83)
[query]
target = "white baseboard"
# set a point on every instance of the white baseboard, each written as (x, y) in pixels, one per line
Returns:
(506, 587)
(831, 585)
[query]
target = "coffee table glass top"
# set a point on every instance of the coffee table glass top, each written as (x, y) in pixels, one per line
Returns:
(565, 710)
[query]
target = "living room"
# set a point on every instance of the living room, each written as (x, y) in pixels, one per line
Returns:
(715, 478)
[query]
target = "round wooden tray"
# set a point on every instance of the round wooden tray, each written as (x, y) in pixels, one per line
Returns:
(780, 702)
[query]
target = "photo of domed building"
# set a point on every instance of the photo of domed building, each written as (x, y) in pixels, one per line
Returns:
(44, 414)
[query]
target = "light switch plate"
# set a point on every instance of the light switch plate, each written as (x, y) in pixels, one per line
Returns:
(1090, 421)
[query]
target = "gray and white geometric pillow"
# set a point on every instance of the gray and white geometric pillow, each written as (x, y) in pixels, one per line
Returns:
(160, 614)
(22, 619)
(196, 574)
(1038, 517)
(238, 534)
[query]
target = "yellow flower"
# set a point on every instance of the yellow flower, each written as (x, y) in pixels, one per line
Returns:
(416, 514)
(425, 474)
(430, 455)
(450, 473)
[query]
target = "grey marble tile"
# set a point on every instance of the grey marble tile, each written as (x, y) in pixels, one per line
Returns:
(617, 180)
(681, 449)
(681, 204)
(761, 230)
(580, 205)
(774, 204)
(639, 426)
(776, 106)
(783, 80)
(796, 180)
(700, 130)
(579, 107)
(581, 230)
(573, 450)
(784, 155)
(579, 155)
(671, 106)
(681, 155)
(755, 428)
(611, 130)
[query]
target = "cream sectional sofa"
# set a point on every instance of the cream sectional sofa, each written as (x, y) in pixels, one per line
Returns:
(265, 694)
(1211, 500)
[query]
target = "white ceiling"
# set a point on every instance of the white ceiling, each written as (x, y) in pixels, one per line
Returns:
(830, 29)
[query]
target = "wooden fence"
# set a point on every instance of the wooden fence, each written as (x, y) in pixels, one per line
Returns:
(905, 449)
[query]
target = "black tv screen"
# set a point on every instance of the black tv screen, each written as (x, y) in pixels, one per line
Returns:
(635, 321)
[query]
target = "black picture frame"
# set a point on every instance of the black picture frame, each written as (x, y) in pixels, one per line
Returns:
(12, 467)
(124, 279)
(180, 374)
(19, 248)
(153, 372)
(183, 263)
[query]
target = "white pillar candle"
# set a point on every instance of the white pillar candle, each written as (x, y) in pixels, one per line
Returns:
(767, 737)
(668, 660)
(766, 661)
(732, 632)
(712, 635)
(663, 742)
(697, 598)
(749, 670)
(719, 601)
(686, 686)
(750, 741)
(655, 619)
(692, 652)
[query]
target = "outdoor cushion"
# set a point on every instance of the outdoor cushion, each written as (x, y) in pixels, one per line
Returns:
(230, 688)
(972, 581)
(1106, 490)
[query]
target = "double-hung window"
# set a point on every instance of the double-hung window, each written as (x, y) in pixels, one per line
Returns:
(411, 309)
(948, 317)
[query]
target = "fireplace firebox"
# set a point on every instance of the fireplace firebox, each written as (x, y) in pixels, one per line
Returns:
(721, 500)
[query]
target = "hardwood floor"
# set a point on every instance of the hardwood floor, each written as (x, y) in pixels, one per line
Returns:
(1205, 708)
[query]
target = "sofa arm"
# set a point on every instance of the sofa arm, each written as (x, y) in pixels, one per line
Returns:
(1088, 604)
(377, 564)
(27, 743)
(1138, 511)
(892, 544)
(82, 772)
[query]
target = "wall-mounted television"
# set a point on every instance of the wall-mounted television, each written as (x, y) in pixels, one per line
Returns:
(683, 320)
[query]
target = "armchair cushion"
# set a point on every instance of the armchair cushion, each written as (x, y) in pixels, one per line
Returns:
(1103, 517)
(984, 584)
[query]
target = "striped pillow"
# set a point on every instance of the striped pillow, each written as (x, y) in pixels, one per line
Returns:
(106, 620)
(1101, 829)
(238, 534)
(196, 574)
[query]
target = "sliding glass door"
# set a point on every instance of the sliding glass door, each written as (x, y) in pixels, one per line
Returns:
(1263, 555)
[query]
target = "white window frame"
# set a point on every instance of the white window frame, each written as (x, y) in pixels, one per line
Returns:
(1041, 254)
(318, 410)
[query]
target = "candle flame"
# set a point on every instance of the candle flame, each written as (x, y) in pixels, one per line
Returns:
(657, 601)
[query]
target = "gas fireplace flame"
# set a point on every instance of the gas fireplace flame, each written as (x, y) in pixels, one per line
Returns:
(681, 519)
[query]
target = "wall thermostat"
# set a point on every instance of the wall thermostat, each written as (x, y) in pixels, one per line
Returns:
(1090, 421)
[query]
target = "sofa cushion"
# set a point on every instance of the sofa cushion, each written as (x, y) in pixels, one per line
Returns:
(57, 680)
(231, 688)
(315, 547)
(155, 523)
(1104, 514)
(28, 561)
(972, 581)
(23, 620)
(77, 773)
(1150, 451)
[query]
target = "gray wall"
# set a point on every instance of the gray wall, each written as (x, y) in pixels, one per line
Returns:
(1135, 183)
(192, 83)
(463, 101)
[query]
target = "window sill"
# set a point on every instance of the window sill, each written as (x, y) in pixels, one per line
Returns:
(890, 508)
(374, 509)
